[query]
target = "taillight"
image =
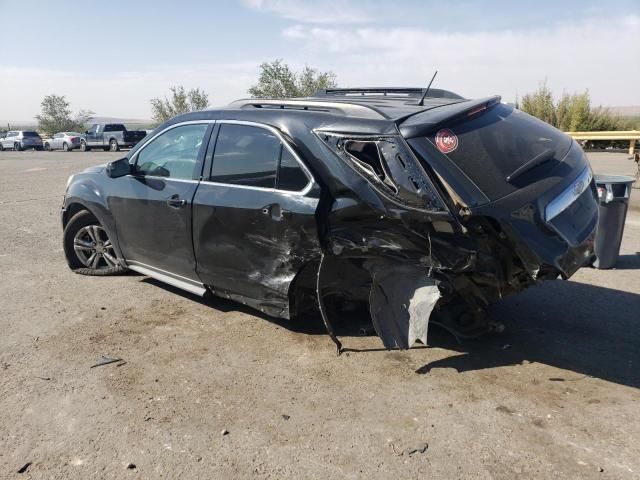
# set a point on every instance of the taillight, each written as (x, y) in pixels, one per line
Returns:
(72, 138)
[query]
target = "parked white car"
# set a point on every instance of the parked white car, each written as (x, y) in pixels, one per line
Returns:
(65, 141)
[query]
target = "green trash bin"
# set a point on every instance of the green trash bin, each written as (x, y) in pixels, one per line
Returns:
(613, 199)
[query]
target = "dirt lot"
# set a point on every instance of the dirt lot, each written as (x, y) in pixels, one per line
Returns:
(555, 396)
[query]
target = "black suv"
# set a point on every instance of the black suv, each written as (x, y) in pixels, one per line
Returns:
(414, 209)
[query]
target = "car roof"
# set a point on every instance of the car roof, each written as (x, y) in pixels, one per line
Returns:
(391, 103)
(364, 110)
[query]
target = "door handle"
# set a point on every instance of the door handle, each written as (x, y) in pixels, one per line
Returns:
(176, 202)
(276, 211)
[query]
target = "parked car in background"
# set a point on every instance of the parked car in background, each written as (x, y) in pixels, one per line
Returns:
(110, 136)
(21, 140)
(65, 141)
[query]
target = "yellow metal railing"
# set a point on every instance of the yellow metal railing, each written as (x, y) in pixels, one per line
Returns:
(631, 135)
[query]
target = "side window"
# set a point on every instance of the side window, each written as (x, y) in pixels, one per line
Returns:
(173, 154)
(246, 155)
(290, 174)
(93, 128)
(108, 128)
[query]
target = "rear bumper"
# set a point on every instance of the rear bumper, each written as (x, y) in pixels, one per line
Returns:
(554, 232)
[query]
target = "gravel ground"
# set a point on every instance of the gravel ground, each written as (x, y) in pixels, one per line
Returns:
(209, 389)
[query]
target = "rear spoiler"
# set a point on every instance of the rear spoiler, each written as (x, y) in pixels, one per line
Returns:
(424, 122)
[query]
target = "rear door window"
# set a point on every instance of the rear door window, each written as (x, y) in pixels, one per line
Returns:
(246, 155)
(291, 176)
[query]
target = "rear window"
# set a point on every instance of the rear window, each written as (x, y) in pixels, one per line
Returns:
(494, 144)
(30, 134)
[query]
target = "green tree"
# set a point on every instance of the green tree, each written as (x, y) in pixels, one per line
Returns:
(55, 116)
(540, 104)
(278, 80)
(572, 113)
(180, 102)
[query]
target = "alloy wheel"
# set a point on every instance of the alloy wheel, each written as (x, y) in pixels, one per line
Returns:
(94, 248)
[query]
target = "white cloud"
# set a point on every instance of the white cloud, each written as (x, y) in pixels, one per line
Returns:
(305, 11)
(121, 94)
(599, 56)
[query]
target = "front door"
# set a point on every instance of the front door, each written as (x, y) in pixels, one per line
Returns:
(92, 135)
(254, 217)
(152, 207)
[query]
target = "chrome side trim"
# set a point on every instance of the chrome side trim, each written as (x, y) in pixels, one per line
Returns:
(559, 204)
(271, 129)
(173, 279)
(166, 179)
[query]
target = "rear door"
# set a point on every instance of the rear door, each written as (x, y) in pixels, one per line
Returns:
(254, 216)
(56, 141)
(152, 208)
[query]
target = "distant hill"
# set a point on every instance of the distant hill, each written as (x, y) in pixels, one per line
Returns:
(133, 123)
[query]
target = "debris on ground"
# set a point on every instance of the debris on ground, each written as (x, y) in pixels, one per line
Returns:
(24, 468)
(131, 466)
(420, 448)
(42, 378)
(106, 360)
(225, 432)
(286, 417)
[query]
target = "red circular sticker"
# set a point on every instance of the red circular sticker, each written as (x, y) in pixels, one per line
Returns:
(446, 140)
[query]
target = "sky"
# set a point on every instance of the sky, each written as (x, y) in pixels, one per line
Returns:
(113, 57)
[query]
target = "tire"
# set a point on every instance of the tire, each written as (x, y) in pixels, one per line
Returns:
(1, 147)
(113, 146)
(87, 247)
(84, 147)
(37, 149)
(65, 147)
(47, 147)
(17, 147)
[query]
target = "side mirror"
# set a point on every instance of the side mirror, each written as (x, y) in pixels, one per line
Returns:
(118, 168)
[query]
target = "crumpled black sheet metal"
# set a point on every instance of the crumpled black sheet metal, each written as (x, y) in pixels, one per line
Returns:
(401, 301)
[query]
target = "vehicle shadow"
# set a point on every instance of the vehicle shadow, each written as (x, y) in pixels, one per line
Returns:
(310, 325)
(628, 262)
(590, 330)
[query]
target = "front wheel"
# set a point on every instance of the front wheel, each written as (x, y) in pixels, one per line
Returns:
(65, 147)
(47, 147)
(84, 147)
(17, 147)
(88, 248)
(113, 146)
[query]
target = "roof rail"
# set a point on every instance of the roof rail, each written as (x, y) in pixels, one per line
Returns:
(340, 108)
(386, 91)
